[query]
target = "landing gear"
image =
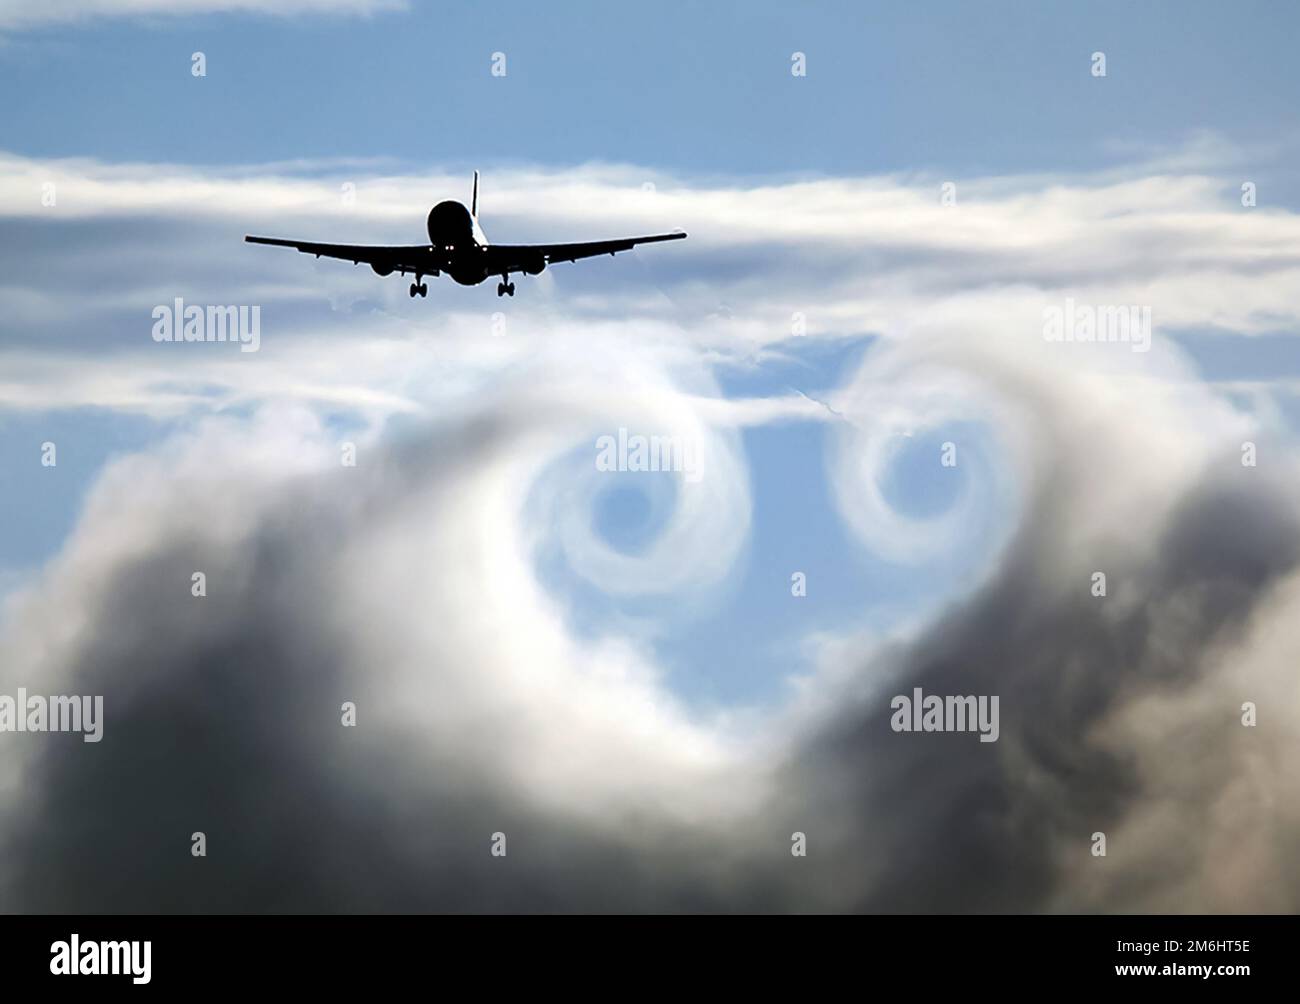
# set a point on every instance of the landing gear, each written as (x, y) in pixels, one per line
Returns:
(422, 289)
(505, 288)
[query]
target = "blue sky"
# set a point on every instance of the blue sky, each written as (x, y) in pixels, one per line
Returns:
(988, 88)
(704, 97)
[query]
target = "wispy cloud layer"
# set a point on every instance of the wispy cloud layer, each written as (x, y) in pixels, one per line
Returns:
(17, 14)
(832, 258)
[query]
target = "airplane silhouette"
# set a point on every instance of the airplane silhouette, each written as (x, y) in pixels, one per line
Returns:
(458, 247)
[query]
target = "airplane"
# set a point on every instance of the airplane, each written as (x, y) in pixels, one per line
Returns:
(458, 247)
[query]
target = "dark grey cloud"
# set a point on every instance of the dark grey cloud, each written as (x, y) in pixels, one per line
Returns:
(223, 716)
(940, 822)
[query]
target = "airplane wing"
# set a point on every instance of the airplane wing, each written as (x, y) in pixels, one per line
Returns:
(525, 257)
(405, 258)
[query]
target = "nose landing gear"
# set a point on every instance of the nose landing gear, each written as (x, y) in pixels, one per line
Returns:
(419, 287)
(505, 287)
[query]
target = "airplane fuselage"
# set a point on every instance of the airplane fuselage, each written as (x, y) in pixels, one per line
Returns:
(453, 228)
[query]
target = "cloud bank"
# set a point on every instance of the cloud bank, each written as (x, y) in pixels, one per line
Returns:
(409, 583)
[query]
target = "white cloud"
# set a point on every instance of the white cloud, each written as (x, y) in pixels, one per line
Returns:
(852, 256)
(19, 14)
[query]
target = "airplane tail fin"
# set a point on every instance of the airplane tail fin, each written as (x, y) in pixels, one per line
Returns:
(473, 203)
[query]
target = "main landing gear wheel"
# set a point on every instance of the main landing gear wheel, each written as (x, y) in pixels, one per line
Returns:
(505, 289)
